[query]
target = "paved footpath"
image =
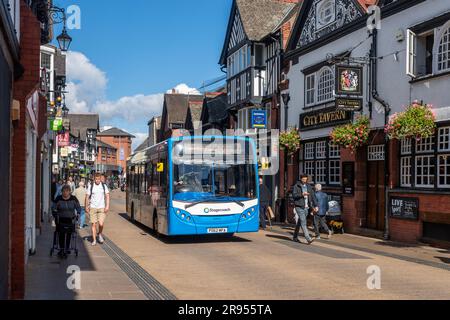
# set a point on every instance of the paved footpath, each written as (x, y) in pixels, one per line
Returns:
(266, 265)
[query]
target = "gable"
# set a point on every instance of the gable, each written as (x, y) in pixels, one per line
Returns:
(325, 17)
(237, 35)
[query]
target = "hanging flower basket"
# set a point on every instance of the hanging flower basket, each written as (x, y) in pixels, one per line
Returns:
(418, 121)
(290, 141)
(352, 136)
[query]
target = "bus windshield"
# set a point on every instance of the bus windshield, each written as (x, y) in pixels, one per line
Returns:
(202, 179)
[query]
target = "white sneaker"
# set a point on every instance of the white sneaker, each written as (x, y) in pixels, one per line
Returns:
(94, 243)
(100, 239)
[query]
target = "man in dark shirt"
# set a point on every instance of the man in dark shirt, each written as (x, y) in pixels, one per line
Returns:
(66, 208)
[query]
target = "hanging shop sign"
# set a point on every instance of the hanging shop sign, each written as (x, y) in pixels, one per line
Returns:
(329, 117)
(56, 124)
(349, 104)
(349, 80)
(64, 152)
(404, 208)
(64, 139)
(259, 119)
(33, 107)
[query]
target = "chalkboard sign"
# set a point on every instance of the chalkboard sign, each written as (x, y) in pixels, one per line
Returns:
(404, 208)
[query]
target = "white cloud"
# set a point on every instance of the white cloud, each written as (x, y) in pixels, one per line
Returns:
(184, 89)
(87, 86)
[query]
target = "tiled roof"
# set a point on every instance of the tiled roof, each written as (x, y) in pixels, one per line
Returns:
(115, 132)
(261, 17)
(80, 123)
(177, 106)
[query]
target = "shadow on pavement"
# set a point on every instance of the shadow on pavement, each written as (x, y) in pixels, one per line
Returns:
(46, 276)
(186, 239)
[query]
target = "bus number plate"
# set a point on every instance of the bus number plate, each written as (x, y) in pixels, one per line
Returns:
(217, 230)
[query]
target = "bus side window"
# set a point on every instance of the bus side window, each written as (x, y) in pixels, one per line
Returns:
(143, 189)
(163, 175)
(148, 177)
(155, 176)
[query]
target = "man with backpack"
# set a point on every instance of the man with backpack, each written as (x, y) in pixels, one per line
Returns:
(97, 206)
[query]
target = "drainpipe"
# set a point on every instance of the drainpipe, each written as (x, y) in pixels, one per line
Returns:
(387, 111)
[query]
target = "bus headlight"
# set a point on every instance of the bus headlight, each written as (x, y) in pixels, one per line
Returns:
(188, 218)
(178, 211)
(253, 209)
(183, 216)
(249, 214)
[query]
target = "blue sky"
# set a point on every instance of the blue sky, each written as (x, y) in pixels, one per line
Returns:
(131, 52)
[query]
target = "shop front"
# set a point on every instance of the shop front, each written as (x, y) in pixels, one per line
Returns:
(319, 158)
(419, 206)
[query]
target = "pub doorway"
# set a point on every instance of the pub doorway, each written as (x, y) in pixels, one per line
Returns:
(376, 199)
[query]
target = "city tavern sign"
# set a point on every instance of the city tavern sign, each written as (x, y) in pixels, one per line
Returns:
(329, 117)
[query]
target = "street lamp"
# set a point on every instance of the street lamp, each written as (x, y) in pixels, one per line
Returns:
(64, 40)
(286, 99)
(58, 15)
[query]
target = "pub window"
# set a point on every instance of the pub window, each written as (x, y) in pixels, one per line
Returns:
(406, 146)
(325, 85)
(444, 139)
(309, 151)
(425, 145)
(405, 168)
(321, 150)
(321, 175)
(443, 49)
(321, 161)
(335, 172)
(310, 89)
(335, 151)
(425, 171)
(309, 170)
(444, 171)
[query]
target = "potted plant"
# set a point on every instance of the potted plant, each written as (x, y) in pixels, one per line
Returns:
(352, 136)
(417, 121)
(290, 141)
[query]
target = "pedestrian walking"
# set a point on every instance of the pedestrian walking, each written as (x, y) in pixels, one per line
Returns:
(264, 202)
(80, 194)
(65, 209)
(97, 206)
(59, 187)
(71, 184)
(320, 216)
(305, 202)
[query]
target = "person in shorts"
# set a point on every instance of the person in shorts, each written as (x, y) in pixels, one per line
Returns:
(97, 206)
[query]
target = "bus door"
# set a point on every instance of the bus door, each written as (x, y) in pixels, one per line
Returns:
(163, 172)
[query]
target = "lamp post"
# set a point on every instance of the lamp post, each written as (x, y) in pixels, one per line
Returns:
(57, 16)
(286, 99)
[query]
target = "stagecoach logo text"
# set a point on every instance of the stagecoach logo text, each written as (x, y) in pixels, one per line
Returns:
(217, 210)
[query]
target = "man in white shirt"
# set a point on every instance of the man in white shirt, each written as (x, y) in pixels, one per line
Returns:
(97, 206)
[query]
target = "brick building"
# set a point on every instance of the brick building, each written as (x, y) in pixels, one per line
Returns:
(106, 160)
(395, 189)
(23, 117)
(120, 140)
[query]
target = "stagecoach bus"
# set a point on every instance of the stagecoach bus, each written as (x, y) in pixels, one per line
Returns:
(195, 186)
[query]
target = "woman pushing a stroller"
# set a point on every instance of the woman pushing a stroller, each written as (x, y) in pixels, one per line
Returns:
(66, 210)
